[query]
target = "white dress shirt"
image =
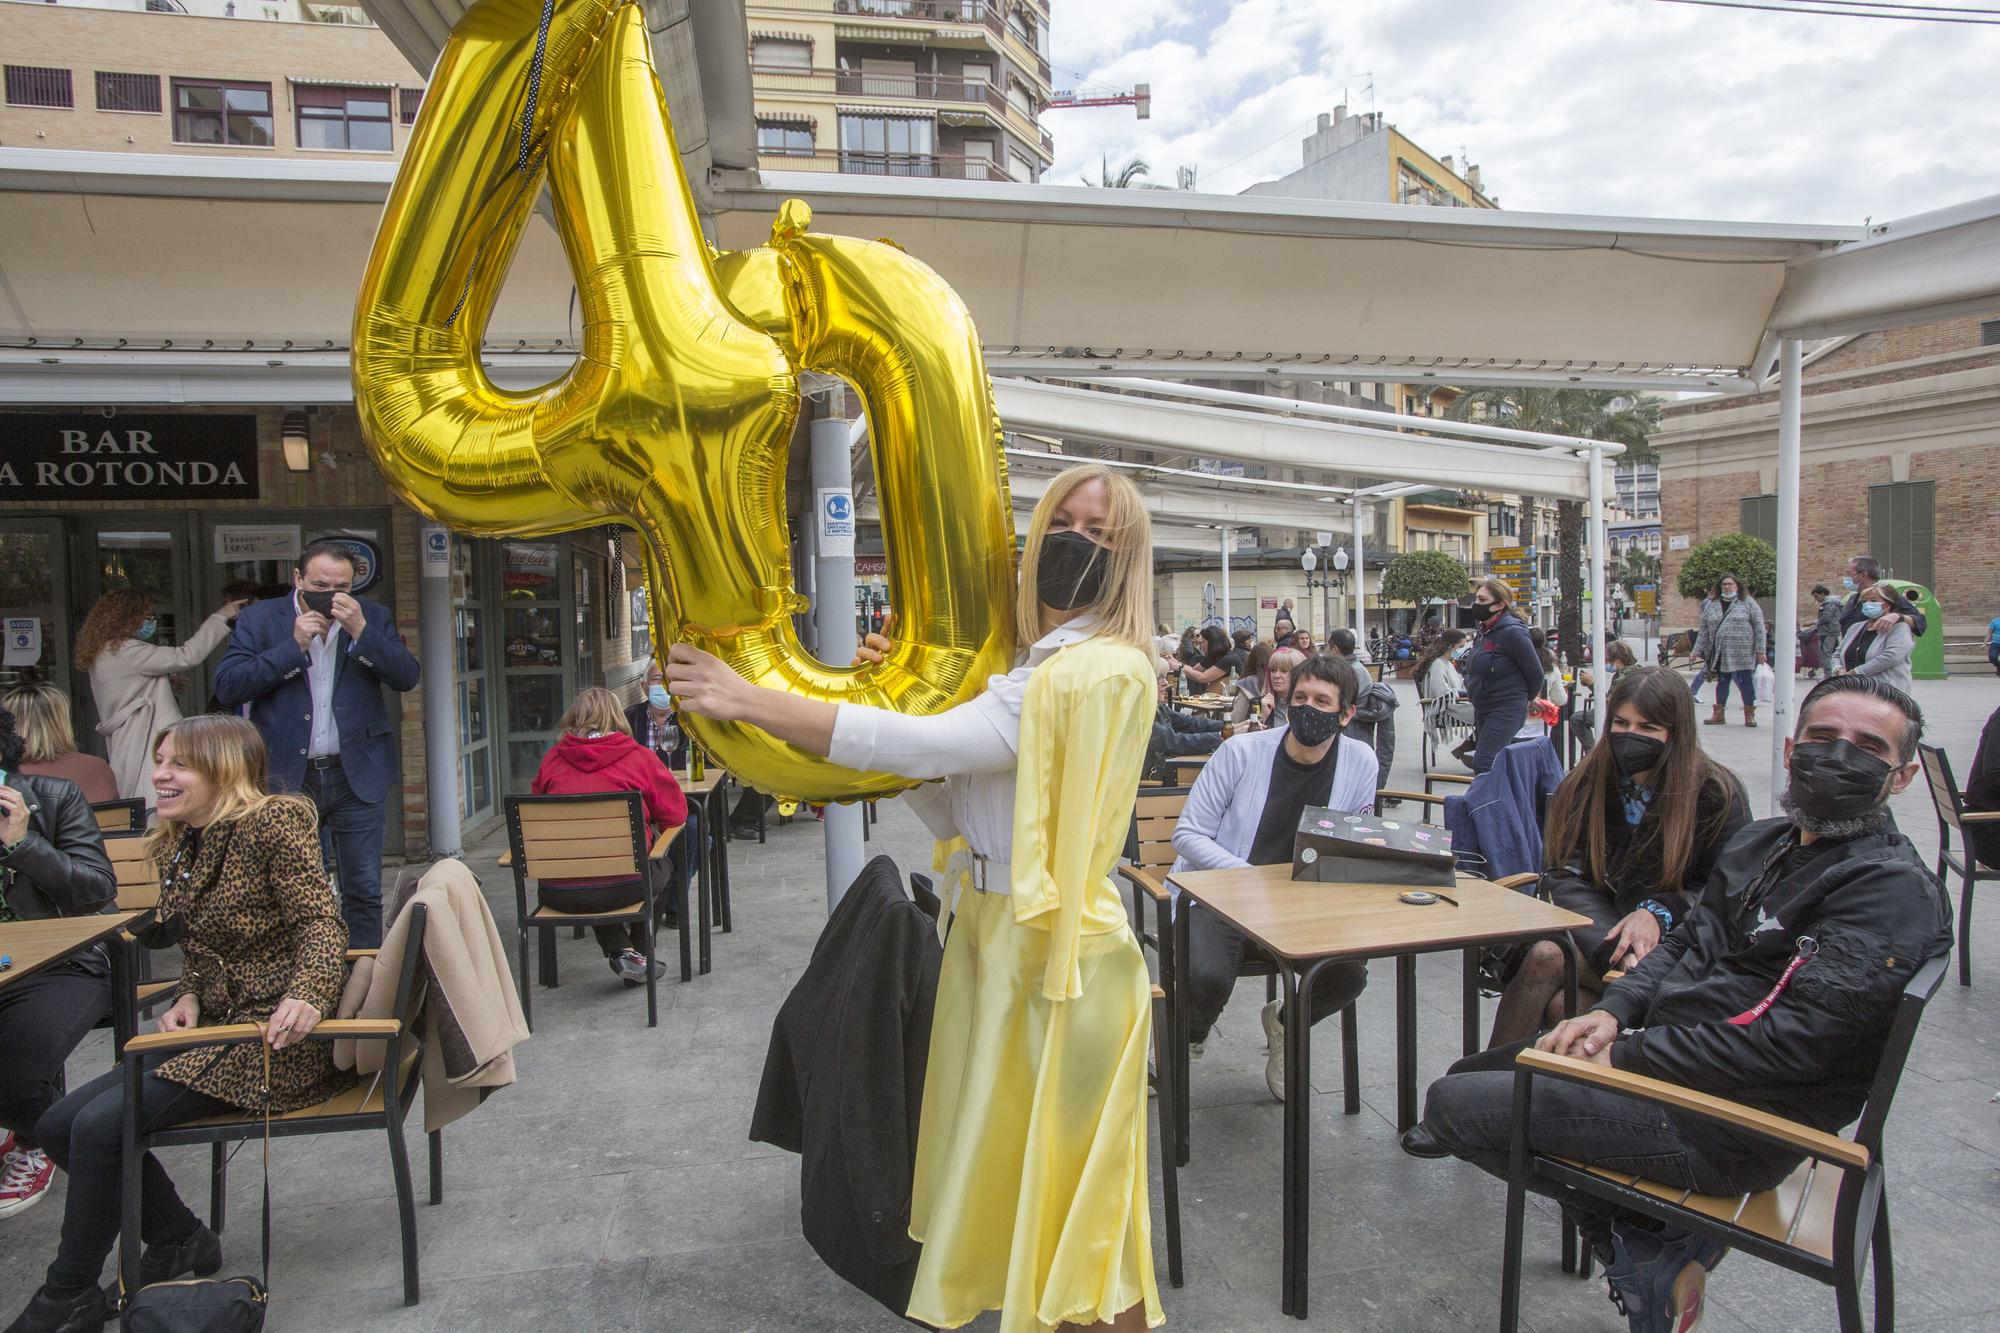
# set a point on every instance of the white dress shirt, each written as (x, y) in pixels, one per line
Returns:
(320, 676)
(971, 747)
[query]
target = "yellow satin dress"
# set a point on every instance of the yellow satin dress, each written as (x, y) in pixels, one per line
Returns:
(1031, 1193)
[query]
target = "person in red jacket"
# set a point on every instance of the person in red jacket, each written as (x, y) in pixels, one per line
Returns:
(595, 753)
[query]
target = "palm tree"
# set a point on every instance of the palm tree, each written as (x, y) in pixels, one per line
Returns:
(1639, 567)
(1598, 414)
(1127, 177)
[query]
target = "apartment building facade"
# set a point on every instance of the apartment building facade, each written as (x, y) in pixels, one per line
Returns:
(952, 89)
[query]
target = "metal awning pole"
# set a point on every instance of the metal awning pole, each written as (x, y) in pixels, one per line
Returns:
(1360, 579)
(1786, 620)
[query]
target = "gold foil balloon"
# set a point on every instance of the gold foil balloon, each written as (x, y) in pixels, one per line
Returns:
(679, 413)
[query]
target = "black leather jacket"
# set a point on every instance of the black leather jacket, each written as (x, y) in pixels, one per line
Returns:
(1874, 914)
(60, 868)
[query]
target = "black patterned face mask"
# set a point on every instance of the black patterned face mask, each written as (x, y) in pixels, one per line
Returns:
(1071, 570)
(1314, 726)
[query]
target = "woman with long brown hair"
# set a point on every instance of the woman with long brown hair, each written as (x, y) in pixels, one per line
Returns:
(130, 677)
(1631, 837)
(243, 894)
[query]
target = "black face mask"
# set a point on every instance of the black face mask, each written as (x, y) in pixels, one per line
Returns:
(1635, 753)
(1834, 780)
(1314, 727)
(1071, 571)
(321, 602)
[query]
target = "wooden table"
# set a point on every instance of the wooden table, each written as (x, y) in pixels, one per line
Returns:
(43, 942)
(1306, 926)
(1206, 703)
(714, 848)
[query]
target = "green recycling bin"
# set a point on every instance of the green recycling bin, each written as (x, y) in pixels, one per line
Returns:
(1927, 658)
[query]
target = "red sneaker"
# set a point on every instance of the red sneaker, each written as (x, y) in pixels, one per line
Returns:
(24, 1180)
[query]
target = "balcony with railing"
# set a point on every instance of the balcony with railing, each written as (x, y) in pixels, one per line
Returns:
(900, 87)
(979, 13)
(929, 166)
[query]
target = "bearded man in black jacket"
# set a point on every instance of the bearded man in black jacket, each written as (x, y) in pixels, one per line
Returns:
(1777, 991)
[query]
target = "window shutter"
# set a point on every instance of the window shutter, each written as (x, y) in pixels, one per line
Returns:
(1759, 517)
(1902, 529)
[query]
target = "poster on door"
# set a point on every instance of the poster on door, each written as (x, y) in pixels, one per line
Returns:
(24, 641)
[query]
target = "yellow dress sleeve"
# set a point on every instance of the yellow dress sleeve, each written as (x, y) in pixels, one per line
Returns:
(1083, 732)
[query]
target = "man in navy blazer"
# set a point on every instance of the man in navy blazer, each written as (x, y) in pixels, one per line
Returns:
(312, 667)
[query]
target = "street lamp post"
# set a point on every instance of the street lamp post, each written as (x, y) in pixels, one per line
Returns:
(1336, 562)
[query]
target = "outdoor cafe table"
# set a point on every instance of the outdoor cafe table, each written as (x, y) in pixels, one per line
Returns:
(45, 941)
(1206, 703)
(1305, 926)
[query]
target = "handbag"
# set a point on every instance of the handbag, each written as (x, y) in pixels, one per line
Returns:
(208, 1304)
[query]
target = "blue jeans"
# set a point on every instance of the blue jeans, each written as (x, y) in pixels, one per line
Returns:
(84, 1134)
(1471, 1111)
(1745, 681)
(350, 845)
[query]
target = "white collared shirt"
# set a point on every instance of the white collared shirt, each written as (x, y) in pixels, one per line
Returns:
(320, 677)
(971, 746)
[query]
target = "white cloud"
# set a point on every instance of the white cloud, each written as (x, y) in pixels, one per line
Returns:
(1626, 106)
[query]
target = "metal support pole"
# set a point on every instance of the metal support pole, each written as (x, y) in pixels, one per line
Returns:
(833, 617)
(1599, 593)
(1786, 620)
(1227, 533)
(437, 648)
(1360, 578)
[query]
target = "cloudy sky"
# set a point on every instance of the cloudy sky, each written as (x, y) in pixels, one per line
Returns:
(1592, 106)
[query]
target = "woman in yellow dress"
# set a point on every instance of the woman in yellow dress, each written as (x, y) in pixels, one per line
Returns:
(1031, 1193)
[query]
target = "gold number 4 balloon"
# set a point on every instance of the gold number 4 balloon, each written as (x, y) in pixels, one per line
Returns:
(678, 415)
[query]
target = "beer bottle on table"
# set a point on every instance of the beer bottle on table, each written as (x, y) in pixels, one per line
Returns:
(697, 767)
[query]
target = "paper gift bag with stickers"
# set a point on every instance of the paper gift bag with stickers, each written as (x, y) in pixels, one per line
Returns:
(1333, 846)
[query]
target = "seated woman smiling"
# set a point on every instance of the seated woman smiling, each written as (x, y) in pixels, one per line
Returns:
(243, 893)
(1631, 836)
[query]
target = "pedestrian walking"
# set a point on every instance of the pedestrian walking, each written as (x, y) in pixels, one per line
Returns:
(1732, 645)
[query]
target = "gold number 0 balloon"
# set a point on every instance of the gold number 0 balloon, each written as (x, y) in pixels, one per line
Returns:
(679, 412)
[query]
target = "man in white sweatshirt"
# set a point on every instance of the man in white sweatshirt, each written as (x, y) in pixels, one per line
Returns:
(1244, 810)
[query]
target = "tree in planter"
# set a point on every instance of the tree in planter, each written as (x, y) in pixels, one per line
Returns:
(1597, 414)
(1751, 559)
(1423, 576)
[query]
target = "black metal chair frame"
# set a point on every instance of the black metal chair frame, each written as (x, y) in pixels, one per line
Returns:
(406, 1040)
(645, 914)
(1952, 814)
(1861, 1211)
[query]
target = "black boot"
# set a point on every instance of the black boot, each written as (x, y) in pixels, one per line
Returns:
(200, 1254)
(84, 1312)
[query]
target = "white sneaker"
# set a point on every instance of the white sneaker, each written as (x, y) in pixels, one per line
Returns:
(1274, 1048)
(1197, 1048)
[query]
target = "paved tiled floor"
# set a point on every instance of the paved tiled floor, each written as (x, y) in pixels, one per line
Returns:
(613, 1187)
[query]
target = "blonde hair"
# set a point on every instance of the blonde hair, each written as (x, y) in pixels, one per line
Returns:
(595, 710)
(41, 716)
(229, 754)
(1283, 659)
(1500, 590)
(1124, 608)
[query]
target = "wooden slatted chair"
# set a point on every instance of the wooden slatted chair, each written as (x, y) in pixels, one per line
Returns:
(1149, 852)
(138, 891)
(1828, 1220)
(594, 836)
(380, 1102)
(1952, 814)
(127, 816)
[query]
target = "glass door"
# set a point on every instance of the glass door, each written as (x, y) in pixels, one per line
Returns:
(533, 648)
(477, 798)
(34, 579)
(148, 552)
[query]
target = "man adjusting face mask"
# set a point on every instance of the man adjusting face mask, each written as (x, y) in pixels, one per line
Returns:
(1071, 570)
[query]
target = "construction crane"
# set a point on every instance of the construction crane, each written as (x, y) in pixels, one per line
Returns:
(1140, 98)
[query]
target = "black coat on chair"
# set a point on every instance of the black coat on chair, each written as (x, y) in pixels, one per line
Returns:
(844, 1081)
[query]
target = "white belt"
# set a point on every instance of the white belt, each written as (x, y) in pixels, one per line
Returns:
(990, 876)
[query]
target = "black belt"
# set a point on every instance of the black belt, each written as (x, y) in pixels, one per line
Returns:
(324, 762)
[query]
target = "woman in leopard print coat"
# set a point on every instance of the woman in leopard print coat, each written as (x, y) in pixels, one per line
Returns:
(244, 894)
